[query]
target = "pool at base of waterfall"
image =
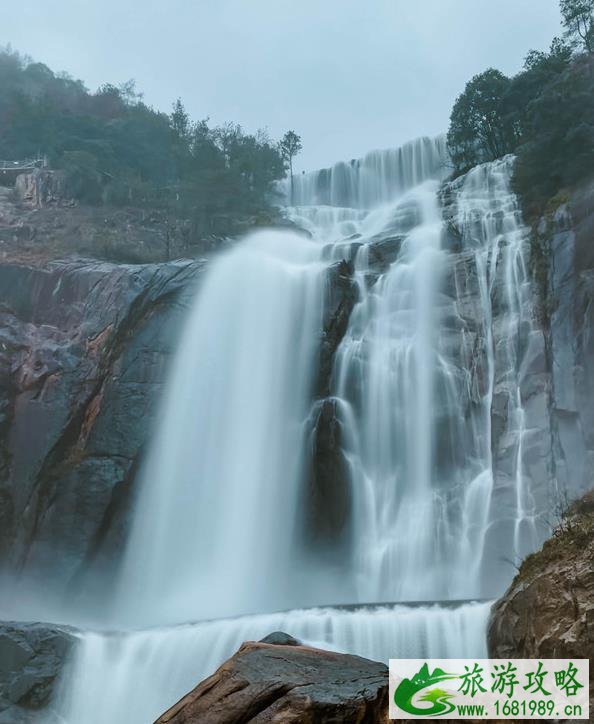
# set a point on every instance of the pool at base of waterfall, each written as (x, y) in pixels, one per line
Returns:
(133, 677)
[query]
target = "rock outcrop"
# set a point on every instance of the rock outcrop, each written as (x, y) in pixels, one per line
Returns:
(31, 659)
(287, 682)
(41, 187)
(340, 297)
(328, 494)
(83, 351)
(40, 222)
(548, 611)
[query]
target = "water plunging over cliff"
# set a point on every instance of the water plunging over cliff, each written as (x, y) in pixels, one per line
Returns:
(490, 223)
(424, 360)
(420, 419)
(216, 512)
(378, 178)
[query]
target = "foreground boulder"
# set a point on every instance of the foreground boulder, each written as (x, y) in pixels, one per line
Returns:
(287, 682)
(548, 611)
(32, 656)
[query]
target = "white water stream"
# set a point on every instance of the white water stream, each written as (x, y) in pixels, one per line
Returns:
(215, 532)
(133, 677)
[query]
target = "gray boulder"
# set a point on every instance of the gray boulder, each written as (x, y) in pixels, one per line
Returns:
(32, 656)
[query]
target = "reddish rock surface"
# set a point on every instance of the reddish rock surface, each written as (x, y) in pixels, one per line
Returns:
(268, 682)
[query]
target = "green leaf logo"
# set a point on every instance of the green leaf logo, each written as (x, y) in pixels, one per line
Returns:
(409, 688)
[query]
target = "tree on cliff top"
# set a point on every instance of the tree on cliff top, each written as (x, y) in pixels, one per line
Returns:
(578, 21)
(544, 114)
(116, 149)
(480, 129)
(290, 146)
(180, 120)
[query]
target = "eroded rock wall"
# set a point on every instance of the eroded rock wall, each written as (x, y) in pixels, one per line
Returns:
(565, 240)
(83, 352)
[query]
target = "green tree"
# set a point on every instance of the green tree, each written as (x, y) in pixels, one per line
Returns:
(290, 146)
(540, 69)
(116, 149)
(557, 148)
(481, 128)
(180, 120)
(578, 21)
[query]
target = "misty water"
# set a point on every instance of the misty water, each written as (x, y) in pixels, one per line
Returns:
(216, 553)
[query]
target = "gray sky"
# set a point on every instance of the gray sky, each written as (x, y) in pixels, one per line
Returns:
(347, 75)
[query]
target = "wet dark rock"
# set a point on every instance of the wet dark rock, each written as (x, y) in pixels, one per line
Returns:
(328, 503)
(275, 683)
(83, 351)
(32, 656)
(452, 237)
(340, 297)
(279, 638)
(383, 252)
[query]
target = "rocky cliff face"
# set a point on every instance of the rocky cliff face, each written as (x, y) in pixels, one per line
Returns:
(84, 348)
(543, 386)
(564, 247)
(83, 351)
(548, 611)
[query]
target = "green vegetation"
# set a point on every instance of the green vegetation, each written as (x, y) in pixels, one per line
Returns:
(578, 21)
(480, 124)
(573, 533)
(544, 114)
(290, 146)
(117, 150)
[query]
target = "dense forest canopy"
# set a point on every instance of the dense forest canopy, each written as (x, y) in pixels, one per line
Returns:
(116, 149)
(544, 114)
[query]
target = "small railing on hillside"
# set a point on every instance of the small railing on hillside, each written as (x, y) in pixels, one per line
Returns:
(23, 165)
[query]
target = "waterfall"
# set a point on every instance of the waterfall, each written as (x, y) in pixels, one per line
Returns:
(132, 677)
(386, 372)
(215, 537)
(490, 223)
(376, 179)
(221, 485)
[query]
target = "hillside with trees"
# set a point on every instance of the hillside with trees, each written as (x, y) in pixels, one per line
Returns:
(544, 114)
(116, 150)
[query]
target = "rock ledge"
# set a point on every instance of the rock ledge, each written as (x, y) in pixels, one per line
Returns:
(267, 682)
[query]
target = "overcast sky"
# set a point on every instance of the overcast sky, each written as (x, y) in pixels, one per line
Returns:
(347, 75)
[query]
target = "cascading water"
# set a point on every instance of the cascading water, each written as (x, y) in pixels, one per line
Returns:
(133, 677)
(490, 223)
(215, 531)
(386, 368)
(378, 178)
(222, 479)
